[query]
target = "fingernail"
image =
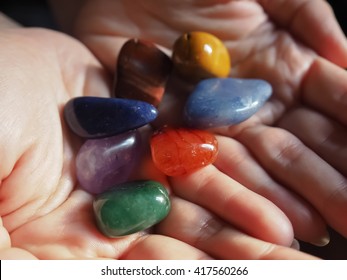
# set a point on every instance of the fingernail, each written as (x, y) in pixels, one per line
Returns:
(295, 245)
(323, 241)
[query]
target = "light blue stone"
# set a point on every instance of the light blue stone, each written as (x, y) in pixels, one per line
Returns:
(225, 101)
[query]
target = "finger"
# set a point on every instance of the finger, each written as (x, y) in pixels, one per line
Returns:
(325, 89)
(16, 254)
(322, 31)
(234, 203)
(236, 161)
(105, 47)
(206, 232)
(289, 161)
(158, 247)
(73, 233)
(323, 135)
(5, 241)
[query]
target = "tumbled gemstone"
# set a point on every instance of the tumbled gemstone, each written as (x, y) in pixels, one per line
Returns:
(181, 151)
(98, 117)
(103, 163)
(131, 207)
(219, 102)
(142, 72)
(200, 55)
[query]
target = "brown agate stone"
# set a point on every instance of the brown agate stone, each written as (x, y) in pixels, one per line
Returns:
(142, 72)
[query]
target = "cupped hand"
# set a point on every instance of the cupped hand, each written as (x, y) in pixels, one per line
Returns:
(46, 215)
(291, 152)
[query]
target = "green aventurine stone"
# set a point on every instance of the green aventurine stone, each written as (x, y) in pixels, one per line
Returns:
(131, 207)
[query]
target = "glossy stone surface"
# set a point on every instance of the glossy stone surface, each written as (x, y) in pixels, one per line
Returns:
(200, 55)
(131, 207)
(219, 102)
(142, 72)
(103, 163)
(181, 151)
(98, 117)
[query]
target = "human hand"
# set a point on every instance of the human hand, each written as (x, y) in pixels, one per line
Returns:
(47, 216)
(292, 151)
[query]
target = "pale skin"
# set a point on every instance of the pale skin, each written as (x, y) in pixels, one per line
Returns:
(45, 215)
(295, 45)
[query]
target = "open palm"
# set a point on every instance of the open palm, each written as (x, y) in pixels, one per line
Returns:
(291, 152)
(46, 215)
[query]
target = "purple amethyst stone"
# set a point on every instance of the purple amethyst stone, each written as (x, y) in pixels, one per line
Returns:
(103, 163)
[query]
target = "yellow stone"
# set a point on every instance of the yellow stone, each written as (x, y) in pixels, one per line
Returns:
(200, 55)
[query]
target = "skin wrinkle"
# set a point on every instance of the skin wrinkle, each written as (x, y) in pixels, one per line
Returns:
(317, 202)
(291, 15)
(327, 140)
(163, 22)
(239, 159)
(264, 185)
(133, 244)
(244, 15)
(142, 23)
(336, 194)
(329, 135)
(209, 12)
(288, 148)
(286, 50)
(296, 69)
(78, 74)
(77, 246)
(18, 165)
(7, 174)
(47, 157)
(220, 10)
(206, 182)
(63, 187)
(289, 154)
(91, 238)
(107, 26)
(220, 243)
(201, 229)
(45, 206)
(267, 250)
(298, 9)
(236, 194)
(240, 55)
(210, 227)
(227, 201)
(67, 177)
(25, 206)
(6, 143)
(118, 253)
(316, 16)
(60, 194)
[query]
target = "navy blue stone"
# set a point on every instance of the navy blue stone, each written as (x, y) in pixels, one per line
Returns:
(98, 117)
(225, 101)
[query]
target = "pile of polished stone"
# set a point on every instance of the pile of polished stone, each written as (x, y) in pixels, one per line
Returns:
(110, 125)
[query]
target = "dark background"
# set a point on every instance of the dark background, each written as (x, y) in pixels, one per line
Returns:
(37, 13)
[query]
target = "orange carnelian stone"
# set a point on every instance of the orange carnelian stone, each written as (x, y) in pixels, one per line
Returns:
(180, 151)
